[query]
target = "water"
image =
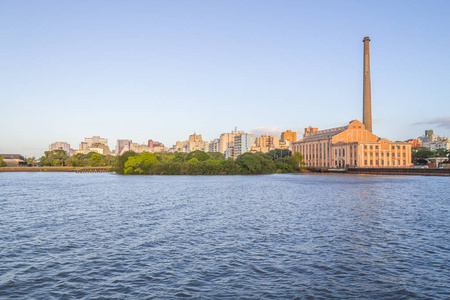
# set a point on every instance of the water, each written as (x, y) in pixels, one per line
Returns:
(102, 236)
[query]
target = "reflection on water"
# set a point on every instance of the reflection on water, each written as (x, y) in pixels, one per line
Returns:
(268, 236)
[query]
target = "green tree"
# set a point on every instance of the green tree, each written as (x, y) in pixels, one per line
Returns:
(2, 163)
(284, 166)
(53, 158)
(140, 164)
(256, 163)
(171, 168)
(109, 160)
(96, 159)
(230, 167)
(202, 163)
(442, 152)
(179, 157)
(162, 156)
(419, 155)
(279, 153)
(198, 154)
(119, 166)
(31, 161)
(77, 160)
(193, 166)
(216, 156)
(296, 160)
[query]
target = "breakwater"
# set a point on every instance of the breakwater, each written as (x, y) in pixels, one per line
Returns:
(57, 169)
(385, 171)
(401, 171)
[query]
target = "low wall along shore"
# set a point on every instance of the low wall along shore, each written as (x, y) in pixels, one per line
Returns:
(385, 171)
(56, 169)
(373, 171)
(401, 171)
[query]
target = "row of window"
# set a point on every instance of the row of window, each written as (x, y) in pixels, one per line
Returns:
(341, 163)
(376, 147)
(382, 154)
(314, 151)
(318, 151)
(339, 151)
(320, 164)
(382, 162)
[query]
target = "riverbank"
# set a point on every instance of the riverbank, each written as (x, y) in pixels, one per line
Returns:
(386, 171)
(56, 169)
(401, 171)
(369, 171)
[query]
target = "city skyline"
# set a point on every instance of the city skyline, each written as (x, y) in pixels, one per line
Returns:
(158, 71)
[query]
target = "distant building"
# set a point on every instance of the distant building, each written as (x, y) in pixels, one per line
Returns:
(151, 147)
(267, 143)
(214, 146)
(443, 143)
(140, 148)
(122, 144)
(310, 130)
(433, 142)
(156, 146)
(289, 136)
(226, 140)
(181, 147)
(352, 146)
(196, 143)
(429, 137)
(414, 143)
(95, 144)
(14, 160)
(206, 149)
(286, 144)
(95, 140)
(101, 149)
(242, 143)
(60, 146)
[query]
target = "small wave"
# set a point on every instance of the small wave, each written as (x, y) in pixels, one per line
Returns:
(183, 295)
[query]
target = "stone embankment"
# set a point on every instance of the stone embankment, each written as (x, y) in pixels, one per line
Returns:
(401, 171)
(386, 171)
(57, 169)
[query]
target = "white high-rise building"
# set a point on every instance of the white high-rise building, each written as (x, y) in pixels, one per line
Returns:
(60, 146)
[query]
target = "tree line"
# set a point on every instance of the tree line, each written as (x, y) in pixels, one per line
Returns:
(207, 163)
(193, 163)
(419, 155)
(59, 158)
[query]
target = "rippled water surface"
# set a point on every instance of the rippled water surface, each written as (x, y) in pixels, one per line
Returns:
(103, 236)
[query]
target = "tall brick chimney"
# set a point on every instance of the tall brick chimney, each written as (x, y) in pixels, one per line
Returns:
(367, 105)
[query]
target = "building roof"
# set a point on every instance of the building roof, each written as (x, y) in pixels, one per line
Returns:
(12, 156)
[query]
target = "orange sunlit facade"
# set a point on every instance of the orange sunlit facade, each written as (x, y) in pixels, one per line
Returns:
(289, 135)
(414, 143)
(351, 146)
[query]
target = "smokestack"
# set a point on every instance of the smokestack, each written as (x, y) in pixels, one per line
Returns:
(367, 104)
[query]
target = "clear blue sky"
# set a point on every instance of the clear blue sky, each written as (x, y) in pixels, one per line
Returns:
(163, 70)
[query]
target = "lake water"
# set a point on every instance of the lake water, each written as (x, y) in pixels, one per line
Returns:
(104, 236)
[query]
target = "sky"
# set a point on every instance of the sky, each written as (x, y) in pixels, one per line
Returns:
(163, 70)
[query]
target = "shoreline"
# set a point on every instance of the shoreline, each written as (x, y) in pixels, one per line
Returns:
(356, 171)
(386, 171)
(56, 169)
